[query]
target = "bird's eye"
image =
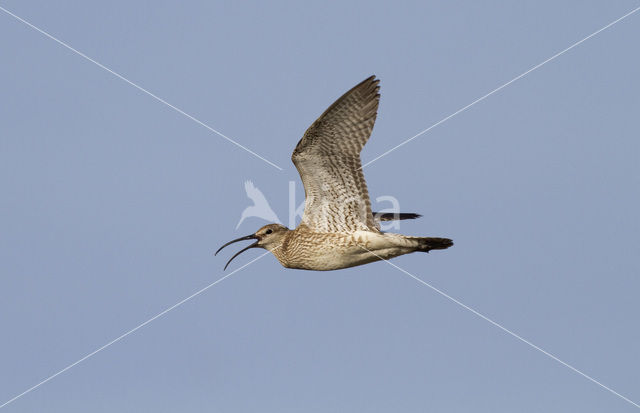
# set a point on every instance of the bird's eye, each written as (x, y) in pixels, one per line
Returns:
(269, 231)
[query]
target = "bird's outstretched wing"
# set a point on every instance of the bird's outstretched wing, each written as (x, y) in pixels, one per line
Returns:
(328, 160)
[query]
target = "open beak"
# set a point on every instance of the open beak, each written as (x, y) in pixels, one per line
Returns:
(254, 245)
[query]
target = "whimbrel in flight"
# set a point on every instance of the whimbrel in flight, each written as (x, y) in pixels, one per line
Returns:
(338, 229)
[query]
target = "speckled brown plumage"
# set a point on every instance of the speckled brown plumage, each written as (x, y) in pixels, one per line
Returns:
(328, 160)
(338, 229)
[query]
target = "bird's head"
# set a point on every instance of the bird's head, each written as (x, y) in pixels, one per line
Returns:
(268, 237)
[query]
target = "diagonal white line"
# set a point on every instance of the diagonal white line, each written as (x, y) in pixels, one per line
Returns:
(159, 99)
(115, 340)
(500, 87)
(506, 330)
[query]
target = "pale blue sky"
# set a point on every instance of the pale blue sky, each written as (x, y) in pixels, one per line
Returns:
(112, 204)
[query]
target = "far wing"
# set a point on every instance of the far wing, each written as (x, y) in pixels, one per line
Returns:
(394, 216)
(328, 160)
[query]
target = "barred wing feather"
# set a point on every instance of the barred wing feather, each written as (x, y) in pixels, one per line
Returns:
(328, 160)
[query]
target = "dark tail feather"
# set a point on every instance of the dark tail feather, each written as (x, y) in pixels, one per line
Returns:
(393, 216)
(427, 243)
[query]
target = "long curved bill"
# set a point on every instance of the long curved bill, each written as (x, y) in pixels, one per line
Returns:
(248, 237)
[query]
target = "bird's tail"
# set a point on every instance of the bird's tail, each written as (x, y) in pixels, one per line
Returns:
(427, 244)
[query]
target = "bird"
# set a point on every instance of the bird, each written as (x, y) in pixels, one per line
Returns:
(260, 207)
(338, 228)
